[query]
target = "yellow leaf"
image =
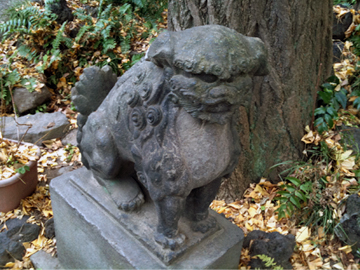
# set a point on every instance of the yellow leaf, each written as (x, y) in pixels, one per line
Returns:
(343, 156)
(302, 234)
(347, 45)
(235, 205)
(347, 249)
(338, 266)
(348, 163)
(315, 264)
(252, 211)
(9, 264)
(308, 138)
(307, 247)
(239, 219)
(47, 213)
(248, 227)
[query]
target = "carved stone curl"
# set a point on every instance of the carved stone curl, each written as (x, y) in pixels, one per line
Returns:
(168, 125)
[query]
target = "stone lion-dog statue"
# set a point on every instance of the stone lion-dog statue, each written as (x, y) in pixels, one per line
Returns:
(168, 125)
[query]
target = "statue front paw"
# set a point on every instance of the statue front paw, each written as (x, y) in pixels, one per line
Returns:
(125, 192)
(132, 204)
(170, 243)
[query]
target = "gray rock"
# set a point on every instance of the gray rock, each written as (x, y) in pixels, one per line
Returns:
(25, 233)
(348, 230)
(70, 138)
(60, 8)
(10, 250)
(11, 240)
(274, 245)
(351, 136)
(20, 231)
(353, 204)
(49, 229)
(25, 100)
(5, 256)
(340, 26)
(45, 126)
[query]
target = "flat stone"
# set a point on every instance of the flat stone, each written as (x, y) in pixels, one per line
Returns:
(45, 126)
(44, 261)
(116, 239)
(25, 100)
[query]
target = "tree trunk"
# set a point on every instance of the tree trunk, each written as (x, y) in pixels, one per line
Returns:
(297, 35)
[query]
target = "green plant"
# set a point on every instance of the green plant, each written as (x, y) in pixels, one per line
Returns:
(23, 169)
(269, 262)
(347, 3)
(357, 253)
(331, 98)
(71, 151)
(41, 108)
(293, 196)
(25, 19)
(44, 46)
(306, 190)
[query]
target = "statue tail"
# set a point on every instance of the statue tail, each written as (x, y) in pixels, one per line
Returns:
(90, 91)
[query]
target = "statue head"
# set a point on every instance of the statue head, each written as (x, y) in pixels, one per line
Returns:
(212, 68)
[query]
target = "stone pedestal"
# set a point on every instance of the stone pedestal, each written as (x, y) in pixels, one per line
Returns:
(92, 233)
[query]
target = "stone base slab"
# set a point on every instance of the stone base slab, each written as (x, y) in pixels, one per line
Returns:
(92, 233)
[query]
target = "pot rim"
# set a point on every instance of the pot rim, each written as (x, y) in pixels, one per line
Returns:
(15, 178)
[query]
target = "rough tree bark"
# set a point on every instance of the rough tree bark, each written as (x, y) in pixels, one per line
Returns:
(297, 35)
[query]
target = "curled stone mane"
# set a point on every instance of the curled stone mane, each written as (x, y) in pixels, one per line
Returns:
(210, 49)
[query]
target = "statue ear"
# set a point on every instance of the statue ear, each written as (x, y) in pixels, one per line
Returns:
(260, 54)
(161, 50)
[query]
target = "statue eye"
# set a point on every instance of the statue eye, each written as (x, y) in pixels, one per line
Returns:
(208, 78)
(230, 80)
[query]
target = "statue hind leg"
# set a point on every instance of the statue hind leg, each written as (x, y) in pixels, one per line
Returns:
(197, 206)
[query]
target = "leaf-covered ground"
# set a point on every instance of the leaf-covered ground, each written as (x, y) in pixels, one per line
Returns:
(258, 209)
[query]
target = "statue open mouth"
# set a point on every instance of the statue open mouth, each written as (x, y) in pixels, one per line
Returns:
(221, 107)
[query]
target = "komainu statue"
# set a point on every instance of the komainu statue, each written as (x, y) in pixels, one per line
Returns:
(166, 128)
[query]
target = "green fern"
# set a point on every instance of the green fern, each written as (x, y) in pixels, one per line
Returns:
(25, 20)
(58, 39)
(27, 53)
(269, 262)
(292, 196)
(109, 44)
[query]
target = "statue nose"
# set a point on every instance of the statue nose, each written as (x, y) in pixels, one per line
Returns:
(219, 92)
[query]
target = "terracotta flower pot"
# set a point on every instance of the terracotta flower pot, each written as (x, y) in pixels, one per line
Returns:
(13, 189)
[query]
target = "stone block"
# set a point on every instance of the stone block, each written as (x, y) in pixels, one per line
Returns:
(44, 126)
(44, 261)
(91, 232)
